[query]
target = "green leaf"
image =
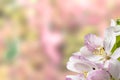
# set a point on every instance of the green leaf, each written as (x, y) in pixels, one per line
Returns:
(11, 51)
(118, 21)
(119, 59)
(117, 44)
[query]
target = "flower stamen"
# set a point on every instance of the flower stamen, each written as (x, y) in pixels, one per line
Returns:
(107, 57)
(85, 74)
(99, 51)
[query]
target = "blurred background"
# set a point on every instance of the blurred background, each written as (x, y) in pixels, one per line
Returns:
(38, 36)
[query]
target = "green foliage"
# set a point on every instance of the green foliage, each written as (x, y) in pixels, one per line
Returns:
(118, 21)
(11, 51)
(117, 44)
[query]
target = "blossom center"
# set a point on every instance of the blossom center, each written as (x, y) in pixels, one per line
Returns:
(85, 74)
(99, 51)
(107, 57)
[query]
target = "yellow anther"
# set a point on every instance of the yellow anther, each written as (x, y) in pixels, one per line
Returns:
(99, 51)
(85, 74)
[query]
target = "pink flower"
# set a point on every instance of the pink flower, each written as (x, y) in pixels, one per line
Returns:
(96, 56)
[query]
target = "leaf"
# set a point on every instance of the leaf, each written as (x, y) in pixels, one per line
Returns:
(117, 44)
(118, 59)
(118, 21)
(12, 50)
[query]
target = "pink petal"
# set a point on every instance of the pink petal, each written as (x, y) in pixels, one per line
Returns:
(92, 42)
(98, 75)
(88, 54)
(80, 64)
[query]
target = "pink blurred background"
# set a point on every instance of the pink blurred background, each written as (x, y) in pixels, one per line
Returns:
(38, 36)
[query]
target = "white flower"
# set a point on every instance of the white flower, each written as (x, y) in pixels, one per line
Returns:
(97, 54)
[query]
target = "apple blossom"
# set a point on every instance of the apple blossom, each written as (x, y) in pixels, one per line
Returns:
(97, 57)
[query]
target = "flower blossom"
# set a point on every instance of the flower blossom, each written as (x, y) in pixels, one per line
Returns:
(96, 58)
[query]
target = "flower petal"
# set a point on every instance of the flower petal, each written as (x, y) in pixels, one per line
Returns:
(116, 30)
(109, 40)
(79, 64)
(116, 54)
(114, 68)
(92, 42)
(75, 77)
(114, 27)
(98, 75)
(113, 23)
(88, 54)
(84, 52)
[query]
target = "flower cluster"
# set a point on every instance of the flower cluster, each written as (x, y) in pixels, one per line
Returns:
(96, 61)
